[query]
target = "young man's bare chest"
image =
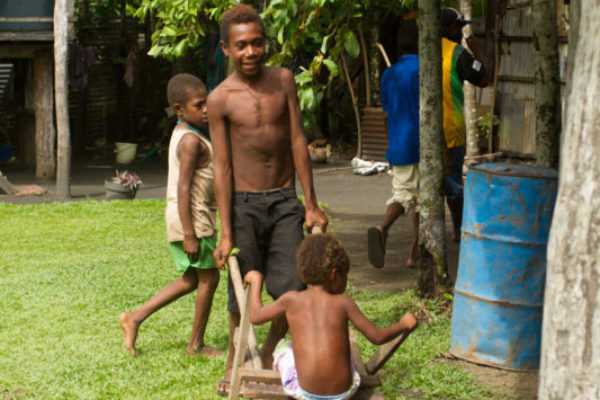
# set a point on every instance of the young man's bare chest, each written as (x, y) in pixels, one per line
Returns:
(247, 110)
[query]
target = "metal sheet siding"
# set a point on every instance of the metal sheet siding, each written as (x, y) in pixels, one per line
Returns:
(515, 96)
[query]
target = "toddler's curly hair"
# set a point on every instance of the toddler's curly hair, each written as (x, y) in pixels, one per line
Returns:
(317, 255)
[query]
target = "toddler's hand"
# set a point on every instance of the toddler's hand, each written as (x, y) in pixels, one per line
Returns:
(253, 278)
(409, 321)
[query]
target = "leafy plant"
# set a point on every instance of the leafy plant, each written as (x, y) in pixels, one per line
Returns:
(485, 124)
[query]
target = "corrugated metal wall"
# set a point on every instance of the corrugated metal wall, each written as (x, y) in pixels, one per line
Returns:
(515, 97)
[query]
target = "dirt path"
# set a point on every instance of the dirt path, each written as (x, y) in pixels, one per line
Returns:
(357, 203)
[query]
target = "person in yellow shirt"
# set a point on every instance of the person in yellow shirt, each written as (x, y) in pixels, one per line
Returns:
(458, 65)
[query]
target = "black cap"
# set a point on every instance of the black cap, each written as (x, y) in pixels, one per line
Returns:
(450, 16)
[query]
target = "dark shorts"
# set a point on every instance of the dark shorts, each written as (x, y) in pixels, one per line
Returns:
(267, 228)
(453, 183)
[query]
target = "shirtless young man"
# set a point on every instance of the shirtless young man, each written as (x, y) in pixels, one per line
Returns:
(256, 131)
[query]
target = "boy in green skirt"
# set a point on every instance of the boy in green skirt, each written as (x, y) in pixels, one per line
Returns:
(190, 216)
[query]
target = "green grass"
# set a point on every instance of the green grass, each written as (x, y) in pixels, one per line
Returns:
(66, 272)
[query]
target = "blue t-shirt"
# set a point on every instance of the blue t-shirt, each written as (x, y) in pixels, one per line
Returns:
(400, 98)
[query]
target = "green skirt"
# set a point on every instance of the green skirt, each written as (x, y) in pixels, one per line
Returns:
(206, 247)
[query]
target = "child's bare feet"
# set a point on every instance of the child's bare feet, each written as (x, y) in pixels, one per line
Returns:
(223, 384)
(130, 330)
(205, 351)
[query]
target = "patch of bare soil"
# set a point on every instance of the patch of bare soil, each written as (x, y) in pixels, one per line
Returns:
(507, 385)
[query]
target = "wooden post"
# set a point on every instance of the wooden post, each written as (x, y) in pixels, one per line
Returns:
(432, 228)
(470, 109)
(63, 170)
(45, 163)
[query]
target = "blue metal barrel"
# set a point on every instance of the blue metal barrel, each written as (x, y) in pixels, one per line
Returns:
(499, 291)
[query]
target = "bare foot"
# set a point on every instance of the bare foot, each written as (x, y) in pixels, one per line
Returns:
(130, 330)
(205, 351)
(410, 263)
(223, 384)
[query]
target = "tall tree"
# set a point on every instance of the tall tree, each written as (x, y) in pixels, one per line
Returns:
(547, 81)
(432, 234)
(570, 362)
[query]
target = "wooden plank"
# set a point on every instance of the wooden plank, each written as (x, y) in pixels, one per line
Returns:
(240, 349)
(370, 381)
(384, 353)
(355, 353)
(238, 287)
(260, 375)
(368, 394)
(262, 391)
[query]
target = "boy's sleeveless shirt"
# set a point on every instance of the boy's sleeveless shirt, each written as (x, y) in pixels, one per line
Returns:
(202, 191)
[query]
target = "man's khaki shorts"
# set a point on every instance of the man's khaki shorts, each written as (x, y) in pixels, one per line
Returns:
(405, 187)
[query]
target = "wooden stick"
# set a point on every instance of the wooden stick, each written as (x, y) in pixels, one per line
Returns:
(354, 105)
(363, 47)
(240, 348)
(488, 155)
(383, 354)
(384, 54)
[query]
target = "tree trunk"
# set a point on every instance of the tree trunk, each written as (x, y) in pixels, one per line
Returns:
(45, 163)
(547, 81)
(63, 170)
(432, 235)
(570, 363)
(375, 66)
(470, 109)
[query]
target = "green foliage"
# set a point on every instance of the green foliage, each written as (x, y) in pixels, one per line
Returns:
(485, 125)
(304, 35)
(178, 24)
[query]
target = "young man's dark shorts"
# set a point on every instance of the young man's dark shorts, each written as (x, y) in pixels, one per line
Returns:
(267, 228)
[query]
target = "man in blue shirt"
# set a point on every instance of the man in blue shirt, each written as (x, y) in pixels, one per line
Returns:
(400, 99)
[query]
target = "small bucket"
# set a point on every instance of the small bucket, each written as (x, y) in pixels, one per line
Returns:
(125, 152)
